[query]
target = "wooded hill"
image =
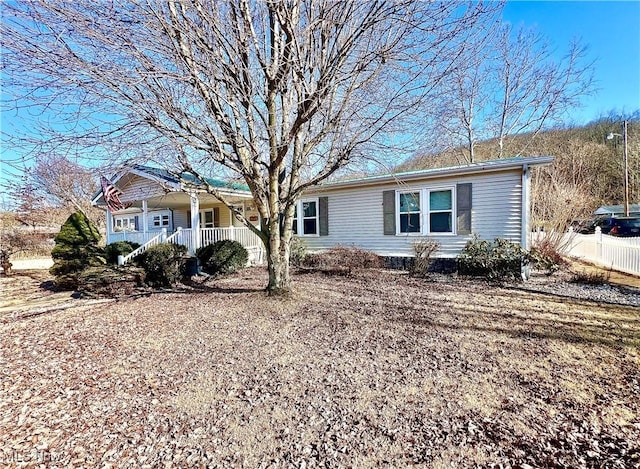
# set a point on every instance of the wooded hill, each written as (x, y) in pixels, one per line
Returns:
(587, 172)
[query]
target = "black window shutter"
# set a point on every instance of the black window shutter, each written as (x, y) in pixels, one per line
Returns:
(323, 212)
(389, 212)
(188, 218)
(463, 205)
(136, 223)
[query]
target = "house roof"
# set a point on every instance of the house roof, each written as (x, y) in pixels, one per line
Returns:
(172, 180)
(470, 168)
(188, 178)
(616, 209)
(178, 182)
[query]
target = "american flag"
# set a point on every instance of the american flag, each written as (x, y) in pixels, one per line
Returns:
(110, 194)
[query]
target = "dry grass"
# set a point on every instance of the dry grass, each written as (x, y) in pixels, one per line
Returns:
(375, 369)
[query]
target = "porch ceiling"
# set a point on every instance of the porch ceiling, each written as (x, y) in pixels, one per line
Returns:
(181, 200)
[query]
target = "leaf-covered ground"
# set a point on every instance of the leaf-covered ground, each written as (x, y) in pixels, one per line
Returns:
(376, 369)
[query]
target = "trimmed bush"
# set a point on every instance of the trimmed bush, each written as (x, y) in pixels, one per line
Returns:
(423, 250)
(298, 252)
(76, 249)
(343, 260)
(499, 260)
(164, 264)
(222, 257)
(119, 248)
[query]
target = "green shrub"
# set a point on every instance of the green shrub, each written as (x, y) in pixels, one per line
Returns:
(119, 248)
(222, 257)
(164, 264)
(343, 260)
(499, 260)
(76, 249)
(423, 250)
(298, 252)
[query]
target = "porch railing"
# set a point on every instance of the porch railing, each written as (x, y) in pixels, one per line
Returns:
(133, 236)
(243, 235)
(160, 238)
(184, 236)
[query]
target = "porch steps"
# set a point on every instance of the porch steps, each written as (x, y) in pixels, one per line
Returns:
(160, 238)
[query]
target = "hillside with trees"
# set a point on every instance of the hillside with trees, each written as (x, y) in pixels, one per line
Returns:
(587, 172)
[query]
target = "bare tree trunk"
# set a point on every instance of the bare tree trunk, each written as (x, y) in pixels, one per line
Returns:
(278, 94)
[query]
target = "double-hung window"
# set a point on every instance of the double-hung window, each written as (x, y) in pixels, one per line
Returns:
(410, 213)
(440, 211)
(426, 211)
(124, 223)
(160, 221)
(305, 219)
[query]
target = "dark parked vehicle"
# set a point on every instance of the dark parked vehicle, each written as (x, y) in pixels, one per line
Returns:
(605, 224)
(619, 226)
(625, 226)
(614, 226)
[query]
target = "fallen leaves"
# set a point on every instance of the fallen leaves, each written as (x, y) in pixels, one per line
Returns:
(375, 369)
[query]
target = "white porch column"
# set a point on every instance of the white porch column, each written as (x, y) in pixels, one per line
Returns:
(525, 236)
(525, 219)
(109, 226)
(195, 221)
(145, 219)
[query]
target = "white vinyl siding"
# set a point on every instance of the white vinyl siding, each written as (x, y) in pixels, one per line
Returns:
(356, 216)
(139, 188)
(181, 218)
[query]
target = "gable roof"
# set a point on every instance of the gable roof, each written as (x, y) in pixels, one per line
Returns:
(185, 178)
(470, 168)
(172, 180)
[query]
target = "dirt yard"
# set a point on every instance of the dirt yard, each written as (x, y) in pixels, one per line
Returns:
(373, 370)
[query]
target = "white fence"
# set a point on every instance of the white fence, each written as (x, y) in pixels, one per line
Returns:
(622, 254)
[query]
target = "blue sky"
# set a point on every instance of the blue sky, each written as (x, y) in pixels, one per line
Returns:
(611, 30)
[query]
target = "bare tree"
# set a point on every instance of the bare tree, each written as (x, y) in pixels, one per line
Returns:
(536, 90)
(465, 95)
(59, 185)
(506, 83)
(282, 94)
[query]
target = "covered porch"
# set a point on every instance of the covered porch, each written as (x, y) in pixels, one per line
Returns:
(193, 219)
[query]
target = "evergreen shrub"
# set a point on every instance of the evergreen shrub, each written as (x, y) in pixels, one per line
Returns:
(76, 249)
(497, 260)
(119, 248)
(164, 264)
(222, 257)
